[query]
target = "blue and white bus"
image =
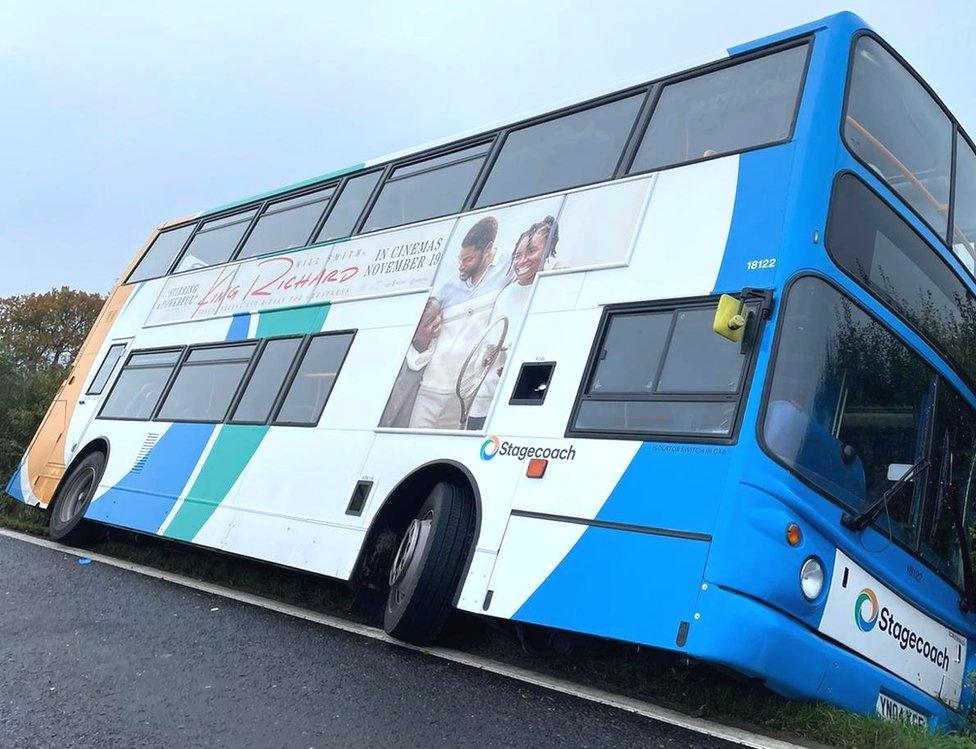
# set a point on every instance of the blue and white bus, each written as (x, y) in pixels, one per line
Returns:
(688, 364)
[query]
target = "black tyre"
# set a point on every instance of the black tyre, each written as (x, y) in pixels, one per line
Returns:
(71, 500)
(428, 564)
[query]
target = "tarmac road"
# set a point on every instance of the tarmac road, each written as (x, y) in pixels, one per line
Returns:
(92, 655)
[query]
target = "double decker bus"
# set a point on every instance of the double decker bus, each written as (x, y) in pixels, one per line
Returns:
(689, 364)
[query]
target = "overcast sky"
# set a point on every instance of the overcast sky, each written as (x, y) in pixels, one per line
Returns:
(117, 116)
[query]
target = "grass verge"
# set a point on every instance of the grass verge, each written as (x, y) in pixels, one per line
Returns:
(659, 677)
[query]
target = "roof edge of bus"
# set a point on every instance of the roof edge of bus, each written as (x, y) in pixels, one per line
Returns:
(845, 18)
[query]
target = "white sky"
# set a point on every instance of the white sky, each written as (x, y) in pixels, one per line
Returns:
(117, 115)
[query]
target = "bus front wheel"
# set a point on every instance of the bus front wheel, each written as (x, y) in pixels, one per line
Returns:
(428, 565)
(73, 496)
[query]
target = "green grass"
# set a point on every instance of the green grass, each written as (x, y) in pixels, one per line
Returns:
(662, 678)
(21, 517)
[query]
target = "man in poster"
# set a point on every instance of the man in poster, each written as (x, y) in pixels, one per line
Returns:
(456, 312)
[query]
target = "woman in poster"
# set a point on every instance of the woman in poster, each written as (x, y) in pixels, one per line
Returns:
(534, 249)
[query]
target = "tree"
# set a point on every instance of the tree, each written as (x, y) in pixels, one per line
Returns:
(40, 334)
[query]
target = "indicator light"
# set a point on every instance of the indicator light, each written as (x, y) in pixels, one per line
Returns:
(537, 468)
(793, 534)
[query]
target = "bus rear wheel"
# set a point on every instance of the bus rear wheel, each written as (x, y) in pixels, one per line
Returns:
(428, 565)
(67, 521)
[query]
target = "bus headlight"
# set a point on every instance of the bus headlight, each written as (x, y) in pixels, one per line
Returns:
(811, 578)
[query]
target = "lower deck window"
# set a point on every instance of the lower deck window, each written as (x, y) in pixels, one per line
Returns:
(140, 384)
(310, 389)
(656, 417)
(661, 370)
(284, 381)
(106, 368)
(206, 383)
(264, 385)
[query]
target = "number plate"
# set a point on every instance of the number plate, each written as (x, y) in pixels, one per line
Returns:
(891, 709)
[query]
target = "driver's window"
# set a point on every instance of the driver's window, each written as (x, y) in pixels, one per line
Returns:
(883, 413)
(848, 404)
(951, 485)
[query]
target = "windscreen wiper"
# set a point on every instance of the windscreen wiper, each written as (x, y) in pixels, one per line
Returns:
(862, 520)
(966, 600)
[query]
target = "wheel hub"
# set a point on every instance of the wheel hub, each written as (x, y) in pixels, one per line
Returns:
(404, 555)
(76, 495)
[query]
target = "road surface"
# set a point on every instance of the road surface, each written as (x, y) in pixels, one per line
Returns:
(92, 655)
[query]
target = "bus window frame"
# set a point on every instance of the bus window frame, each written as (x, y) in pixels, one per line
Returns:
(502, 134)
(959, 139)
(292, 367)
(729, 62)
(162, 393)
(651, 91)
(98, 370)
(293, 373)
(764, 403)
(187, 352)
(257, 208)
(266, 208)
(739, 397)
(954, 123)
(160, 230)
(383, 171)
(389, 177)
(949, 361)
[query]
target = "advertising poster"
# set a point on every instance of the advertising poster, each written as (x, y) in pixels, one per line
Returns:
(192, 296)
(451, 371)
(386, 263)
(479, 297)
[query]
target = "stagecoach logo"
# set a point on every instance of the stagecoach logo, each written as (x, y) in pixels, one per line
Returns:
(489, 448)
(494, 446)
(867, 603)
(867, 614)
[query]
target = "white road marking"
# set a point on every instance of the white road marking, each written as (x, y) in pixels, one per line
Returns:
(593, 694)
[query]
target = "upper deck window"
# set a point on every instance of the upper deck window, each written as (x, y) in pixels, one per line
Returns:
(964, 207)
(215, 241)
(287, 224)
(568, 151)
(879, 249)
(427, 189)
(348, 206)
(160, 256)
(742, 106)
(899, 131)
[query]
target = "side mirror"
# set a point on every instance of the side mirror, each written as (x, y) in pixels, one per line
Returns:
(730, 318)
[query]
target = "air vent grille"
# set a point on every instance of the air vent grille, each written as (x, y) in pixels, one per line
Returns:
(147, 445)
